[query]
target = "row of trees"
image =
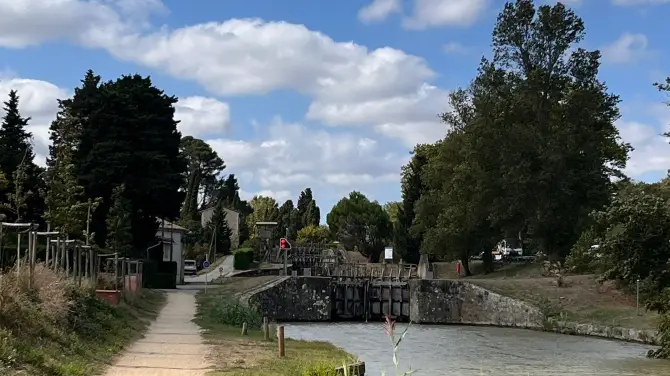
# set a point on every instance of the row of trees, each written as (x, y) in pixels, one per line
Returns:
(116, 163)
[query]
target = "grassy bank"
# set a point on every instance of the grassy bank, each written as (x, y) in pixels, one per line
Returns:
(58, 328)
(221, 315)
(581, 298)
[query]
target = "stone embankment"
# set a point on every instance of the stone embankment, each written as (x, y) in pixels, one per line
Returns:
(431, 302)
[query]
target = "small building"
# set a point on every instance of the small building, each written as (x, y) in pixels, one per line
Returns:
(233, 219)
(171, 236)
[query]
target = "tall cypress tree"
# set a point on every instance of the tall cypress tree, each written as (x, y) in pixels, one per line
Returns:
(16, 150)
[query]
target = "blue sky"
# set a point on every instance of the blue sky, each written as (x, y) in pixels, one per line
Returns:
(330, 95)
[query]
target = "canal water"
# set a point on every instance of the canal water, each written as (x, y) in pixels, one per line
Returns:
(475, 351)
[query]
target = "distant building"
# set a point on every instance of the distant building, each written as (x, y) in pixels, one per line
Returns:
(233, 219)
(172, 235)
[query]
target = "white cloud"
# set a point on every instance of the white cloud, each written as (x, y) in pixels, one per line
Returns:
(630, 47)
(30, 22)
(250, 56)
(652, 152)
(290, 157)
(455, 48)
(410, 118)
(378, 10)
(202, 116)
(433, 13)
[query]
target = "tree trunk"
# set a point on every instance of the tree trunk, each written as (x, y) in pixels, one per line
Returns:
(465, 262)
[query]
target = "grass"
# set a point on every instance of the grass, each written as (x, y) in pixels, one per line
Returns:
(58, 328)
(221, 315)
(582, 300)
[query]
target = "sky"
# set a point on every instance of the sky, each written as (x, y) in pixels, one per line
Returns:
(331, 95)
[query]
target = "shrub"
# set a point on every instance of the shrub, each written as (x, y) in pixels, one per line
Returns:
(230, 311)
(243, 258)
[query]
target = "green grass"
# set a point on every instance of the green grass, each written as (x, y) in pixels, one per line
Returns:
(83, 344)
(221, 315)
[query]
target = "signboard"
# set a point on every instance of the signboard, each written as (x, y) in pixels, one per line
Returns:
(205, 264)
(388, 253)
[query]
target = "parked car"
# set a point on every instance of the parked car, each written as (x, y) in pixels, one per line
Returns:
(190, 268)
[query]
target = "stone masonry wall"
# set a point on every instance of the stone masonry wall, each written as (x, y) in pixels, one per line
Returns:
(455, 302)
(295, 299)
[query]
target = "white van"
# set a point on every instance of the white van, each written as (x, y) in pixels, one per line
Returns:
(190, 268)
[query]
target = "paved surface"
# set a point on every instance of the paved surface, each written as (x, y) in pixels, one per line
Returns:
(225, 268)
(172, 346)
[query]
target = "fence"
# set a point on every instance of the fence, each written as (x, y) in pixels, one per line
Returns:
(77, 260)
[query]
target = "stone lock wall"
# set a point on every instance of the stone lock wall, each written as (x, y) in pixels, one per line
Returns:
(455, 302)
(295, 299)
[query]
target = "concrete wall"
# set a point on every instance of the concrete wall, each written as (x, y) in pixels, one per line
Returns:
(455, 302)
(294, 299)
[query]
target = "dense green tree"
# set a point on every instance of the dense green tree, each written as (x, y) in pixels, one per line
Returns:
(360, 225)
(128, 136)
(219, 233)
(203, 166)
(407, 243)
(392, 208)
(308, 212)
(313, 234)
(119, 235)
(67, 205)
(288, 220)
(17, 160)
(265, 209)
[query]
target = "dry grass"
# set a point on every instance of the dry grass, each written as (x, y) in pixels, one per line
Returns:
(48, 292)
(54, 326)
(582, 300)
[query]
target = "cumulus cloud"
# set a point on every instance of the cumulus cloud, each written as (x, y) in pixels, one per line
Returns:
(628, 48)
(378, 10)
(432, 13)
(26, 23)
(249, 56)
(202, 116)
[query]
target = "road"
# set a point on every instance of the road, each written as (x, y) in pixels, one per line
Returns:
(226, 268)
(172, 346)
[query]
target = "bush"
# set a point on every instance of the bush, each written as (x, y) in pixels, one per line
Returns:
(230, 311)
(243, 258)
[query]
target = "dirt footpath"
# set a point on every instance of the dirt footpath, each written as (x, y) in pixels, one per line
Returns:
(172, 346)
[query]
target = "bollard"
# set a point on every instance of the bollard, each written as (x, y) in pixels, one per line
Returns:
(266, 329)
(280, 341)
(244, 329)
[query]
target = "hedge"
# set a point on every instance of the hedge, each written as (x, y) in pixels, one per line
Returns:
(243, 258)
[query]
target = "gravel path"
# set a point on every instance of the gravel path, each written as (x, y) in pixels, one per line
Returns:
(172, 346)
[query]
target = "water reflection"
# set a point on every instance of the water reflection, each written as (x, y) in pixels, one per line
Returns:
(461, 351)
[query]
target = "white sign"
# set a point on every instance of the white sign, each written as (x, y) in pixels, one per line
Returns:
(388, 253)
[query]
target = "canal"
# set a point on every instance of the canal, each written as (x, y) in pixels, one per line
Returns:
(474, 351)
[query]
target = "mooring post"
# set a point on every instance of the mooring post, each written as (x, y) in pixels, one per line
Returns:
(266, 329)
(280, 341)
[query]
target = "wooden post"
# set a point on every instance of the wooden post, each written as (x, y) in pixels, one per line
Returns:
(18, 256)
(280, 341)
(244, 329)
(266, 329)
